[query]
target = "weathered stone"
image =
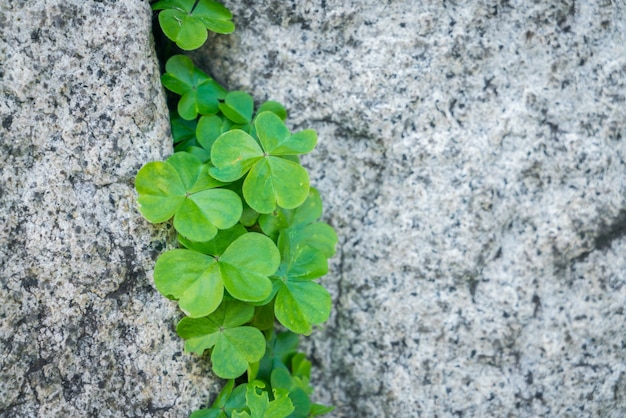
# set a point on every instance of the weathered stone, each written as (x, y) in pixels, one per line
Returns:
(82, 330)
(471, 157)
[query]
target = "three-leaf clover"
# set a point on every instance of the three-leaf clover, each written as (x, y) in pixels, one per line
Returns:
(232, 345)
(200, 93)
(182, 187)
(186, 21)
(300, 303)
(272, 180)
(261, 407)
(198, 280)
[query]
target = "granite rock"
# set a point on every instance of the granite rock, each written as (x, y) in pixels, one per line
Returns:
(83, 332)
(471, 157)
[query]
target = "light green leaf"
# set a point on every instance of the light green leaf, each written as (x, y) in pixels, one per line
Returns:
(198, 280)
(300, 305)
(319, 236)
(246, 265)
(238, 107)
(300, 262)
(161, 191)
(233, 346)
(203, 213)
(233, 154)
(274, 107)
(181, 187)
(209, 128)
(275, 181)
(192, 278)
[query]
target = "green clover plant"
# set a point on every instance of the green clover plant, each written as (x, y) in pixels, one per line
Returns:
(252, 246)
(186, 21)
(271, 180)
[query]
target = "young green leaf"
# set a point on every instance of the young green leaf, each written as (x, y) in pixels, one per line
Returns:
(198, 280)
(187, 25)
(200, 94)
(261, 407)
(230, 399)
(181, 187)
(232, 345)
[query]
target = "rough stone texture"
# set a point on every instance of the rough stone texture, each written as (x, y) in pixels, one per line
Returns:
(82, 331)
(471, 157)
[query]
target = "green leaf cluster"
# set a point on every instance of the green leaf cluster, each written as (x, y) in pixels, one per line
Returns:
(251, 243)
(279, 386)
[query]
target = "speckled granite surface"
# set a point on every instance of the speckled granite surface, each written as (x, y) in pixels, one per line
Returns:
(82, 331)
(472, 159)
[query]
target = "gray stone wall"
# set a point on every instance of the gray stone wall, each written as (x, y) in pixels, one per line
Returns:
(471, 157)
(83, 333)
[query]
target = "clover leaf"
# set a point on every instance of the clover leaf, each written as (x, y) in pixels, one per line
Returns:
(232, 345)
(218, 244)
(238, 107)
(209, 128)
(274, 107)
(200, 93)
(301, 225)
(182, 187)
(261, 407)
(198, 281)
(186, 21)
(300, 303)
(230, 399)
(271, 180)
